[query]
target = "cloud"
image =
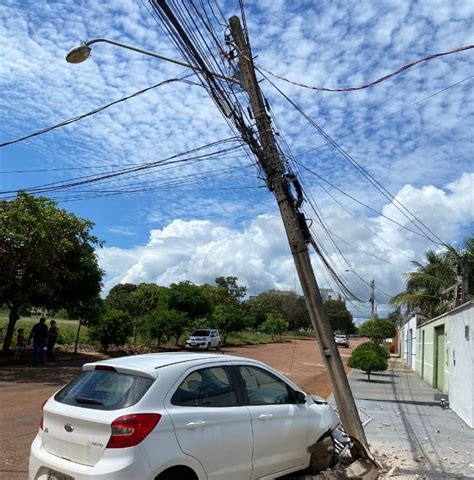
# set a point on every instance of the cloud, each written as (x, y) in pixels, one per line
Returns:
(258, 254)
(200, 251)
(413, 133)
(122, 230)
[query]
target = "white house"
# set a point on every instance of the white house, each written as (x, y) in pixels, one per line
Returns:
(461, 362)
(408, 341)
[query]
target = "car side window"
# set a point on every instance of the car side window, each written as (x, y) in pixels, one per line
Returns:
(208, 387)
(263, 388)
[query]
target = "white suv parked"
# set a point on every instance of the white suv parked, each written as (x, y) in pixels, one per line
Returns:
(204, 339)
(181, 416)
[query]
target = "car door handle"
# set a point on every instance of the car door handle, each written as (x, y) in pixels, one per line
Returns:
(193, 425)
(265, 416)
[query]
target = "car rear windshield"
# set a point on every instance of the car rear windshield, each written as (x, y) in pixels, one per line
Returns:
(104, 390)
(200, 333)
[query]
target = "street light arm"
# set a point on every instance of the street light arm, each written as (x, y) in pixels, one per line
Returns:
(160, 57)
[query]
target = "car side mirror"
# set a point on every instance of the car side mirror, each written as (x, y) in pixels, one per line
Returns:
(300, 397)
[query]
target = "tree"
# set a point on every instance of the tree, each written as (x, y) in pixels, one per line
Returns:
(425, 286)
(113, 328)
(339, 317)
(47, 258)
(148, 297)
(378, 329)
(265, 303)
(396, 317)
(121, 297)
(293, 310)
(291, 306)
(227, 319)
(275, 324)
(88, 313)
(161, 325)
(190, 299)
(231, 290)
(369, 357)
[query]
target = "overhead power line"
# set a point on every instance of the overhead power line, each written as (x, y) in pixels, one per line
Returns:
(396, 112)
(412, 218)
(358, 201)
(88, 179)
(375, 82)
(96, 110)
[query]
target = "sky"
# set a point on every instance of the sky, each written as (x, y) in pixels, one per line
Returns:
(199, 219)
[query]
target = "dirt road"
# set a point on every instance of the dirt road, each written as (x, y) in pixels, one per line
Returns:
(24, 388)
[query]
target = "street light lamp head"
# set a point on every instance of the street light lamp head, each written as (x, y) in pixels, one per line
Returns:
(79, 54)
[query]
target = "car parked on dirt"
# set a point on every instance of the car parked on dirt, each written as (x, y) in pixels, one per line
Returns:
(181, 416)
(341, 340)
(204, 339)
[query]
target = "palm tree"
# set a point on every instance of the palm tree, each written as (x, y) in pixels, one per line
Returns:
(424, 286)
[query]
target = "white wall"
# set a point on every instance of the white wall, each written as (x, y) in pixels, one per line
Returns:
(461, 362)
(408, 356)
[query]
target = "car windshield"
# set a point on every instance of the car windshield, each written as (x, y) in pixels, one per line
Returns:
(341, 336)
(104, 390)
(200, 333)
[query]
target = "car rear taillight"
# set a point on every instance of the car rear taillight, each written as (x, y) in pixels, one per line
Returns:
(42, 415)
(130, 430)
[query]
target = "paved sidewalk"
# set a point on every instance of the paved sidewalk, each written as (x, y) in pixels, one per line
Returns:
(410, 429)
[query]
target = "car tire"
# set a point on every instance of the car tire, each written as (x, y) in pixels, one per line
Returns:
(322, 455)
(173, 473)
(208, 346)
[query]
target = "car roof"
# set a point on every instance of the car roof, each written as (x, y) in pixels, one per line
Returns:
(154, 361)
(148, 365)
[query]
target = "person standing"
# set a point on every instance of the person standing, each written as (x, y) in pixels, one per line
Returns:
(20, 344)
(39, 334)
(53, 333)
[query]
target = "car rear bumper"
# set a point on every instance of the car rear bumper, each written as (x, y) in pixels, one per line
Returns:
(115, 464)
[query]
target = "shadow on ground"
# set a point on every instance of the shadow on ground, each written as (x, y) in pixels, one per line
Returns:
(58, 374)
(373, 380)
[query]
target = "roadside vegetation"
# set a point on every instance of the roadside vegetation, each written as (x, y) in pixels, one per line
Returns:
(427, 287)
(149, 317)
(49, 268)
(373, 356)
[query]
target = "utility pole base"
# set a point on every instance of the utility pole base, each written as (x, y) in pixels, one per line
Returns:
(362, 469)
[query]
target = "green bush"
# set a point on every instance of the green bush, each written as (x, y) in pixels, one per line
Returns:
(275, 324)
(227, 319)
(369, 357)
(113, 328)
(161, 325)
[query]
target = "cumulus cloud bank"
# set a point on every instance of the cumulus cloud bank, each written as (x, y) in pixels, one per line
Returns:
(198, 220)
(201, 250)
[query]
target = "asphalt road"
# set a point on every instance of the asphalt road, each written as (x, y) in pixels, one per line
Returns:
(24, 389)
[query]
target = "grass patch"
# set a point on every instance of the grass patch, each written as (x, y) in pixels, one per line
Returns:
(249, 338)
(67, 329)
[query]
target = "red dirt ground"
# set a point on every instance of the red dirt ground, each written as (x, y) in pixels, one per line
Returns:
(24, 388)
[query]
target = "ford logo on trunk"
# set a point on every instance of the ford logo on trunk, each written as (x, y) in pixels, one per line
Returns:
(68, 427)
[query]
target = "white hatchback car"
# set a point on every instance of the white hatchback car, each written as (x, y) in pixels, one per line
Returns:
(181, 416)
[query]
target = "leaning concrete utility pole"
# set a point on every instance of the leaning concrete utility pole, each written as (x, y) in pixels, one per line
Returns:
(297, 233)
